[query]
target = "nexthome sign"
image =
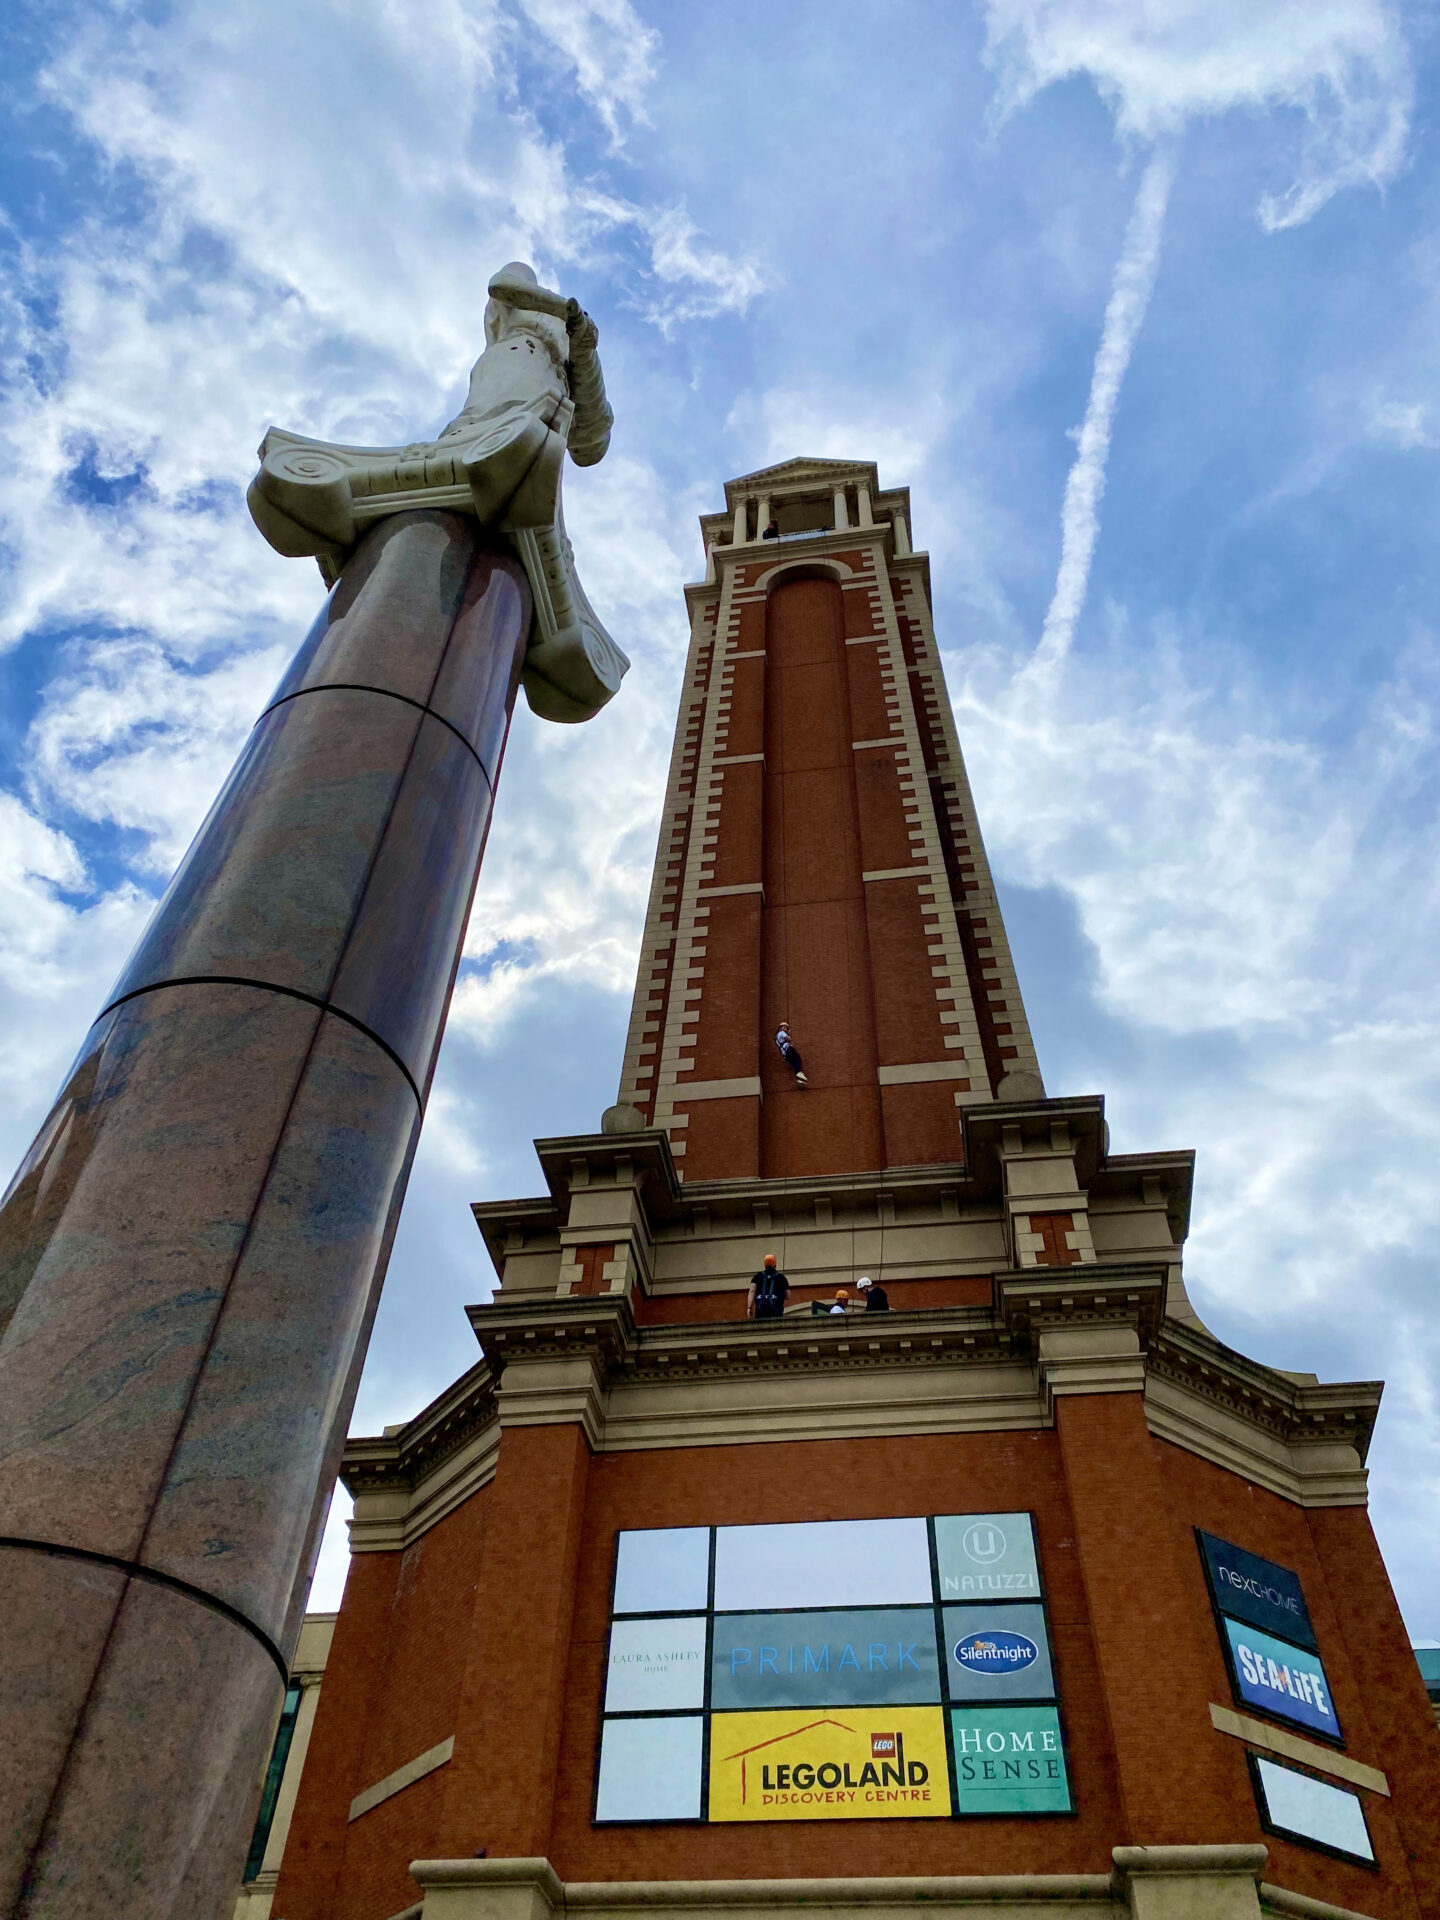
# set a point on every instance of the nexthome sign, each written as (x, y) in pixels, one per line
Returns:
(822, 1671)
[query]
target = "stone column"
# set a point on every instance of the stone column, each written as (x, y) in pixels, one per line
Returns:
(191, 1253)
(740, 531)
(902, 535)
(842, 510)
(862, 502)
(762, 514)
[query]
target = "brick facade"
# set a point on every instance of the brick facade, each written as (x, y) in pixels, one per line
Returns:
(819, 861)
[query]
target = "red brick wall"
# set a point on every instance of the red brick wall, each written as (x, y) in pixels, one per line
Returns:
(816, 966)
(507, 1651)
(822, 1480)
(391, 1689)
(679, 1309)
(1375, 1684)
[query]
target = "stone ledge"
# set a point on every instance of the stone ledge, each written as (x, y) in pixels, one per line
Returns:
(402, 1777)
(1258, 1733)
(1147, 1883)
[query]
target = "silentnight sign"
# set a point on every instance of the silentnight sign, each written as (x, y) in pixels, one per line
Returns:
(835, 1670)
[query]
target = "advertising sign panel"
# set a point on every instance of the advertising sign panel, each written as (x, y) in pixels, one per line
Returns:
(824, 1659)
(998, 1653)
(868, 1763)
(662, 1570)
(1009, 1760)
(1303, 1808)
(833, 1670)
(655, 1664)
(1255, 1590)
(986, 1556)
(822, 1563)
(650, 1769)
(1285, 1681)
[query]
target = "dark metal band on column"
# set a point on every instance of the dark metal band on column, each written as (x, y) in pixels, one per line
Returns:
(191, 1253)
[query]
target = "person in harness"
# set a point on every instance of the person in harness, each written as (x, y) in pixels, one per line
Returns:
(790, 1054)
(768, 1288)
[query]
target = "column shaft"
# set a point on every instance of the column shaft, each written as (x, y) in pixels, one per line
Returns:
(191, 1253)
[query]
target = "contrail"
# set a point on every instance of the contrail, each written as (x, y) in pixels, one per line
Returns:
(1080, 516)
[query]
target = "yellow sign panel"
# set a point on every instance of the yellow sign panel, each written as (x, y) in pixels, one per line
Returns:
(829, 1763)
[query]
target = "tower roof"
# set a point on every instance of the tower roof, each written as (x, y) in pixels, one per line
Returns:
(803, 469)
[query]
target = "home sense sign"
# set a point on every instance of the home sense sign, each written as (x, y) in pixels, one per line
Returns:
(836, 1670)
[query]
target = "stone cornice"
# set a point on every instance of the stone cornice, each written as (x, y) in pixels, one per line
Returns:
(408, 1454)
(1027, 1305)
(1294, 1412)
(1120, 1293)
(1100, 1328)
(807, 470)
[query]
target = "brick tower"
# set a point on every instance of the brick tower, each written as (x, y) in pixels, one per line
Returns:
(820, 856)
(1026, 1591)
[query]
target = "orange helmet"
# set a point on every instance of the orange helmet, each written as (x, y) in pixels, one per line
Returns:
(769, 1260)
(843, 1293)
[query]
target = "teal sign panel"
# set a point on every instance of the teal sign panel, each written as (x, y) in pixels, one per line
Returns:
(1009, 1760)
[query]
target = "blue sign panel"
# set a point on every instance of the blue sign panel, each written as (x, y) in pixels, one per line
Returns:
(998, 1653)
(1249, 1588)
(876, 1657)
(1286, 1681)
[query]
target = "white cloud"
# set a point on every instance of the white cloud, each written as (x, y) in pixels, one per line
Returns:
(709, 283)
(844, 422)
(1341, 65)
(1129, 297)
(55, 955)
(610, 48)
(1262, 911)
(125, 738)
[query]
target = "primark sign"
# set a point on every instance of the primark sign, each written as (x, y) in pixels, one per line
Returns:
(831, 1670)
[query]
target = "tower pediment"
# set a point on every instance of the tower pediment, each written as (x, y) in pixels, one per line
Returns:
(805, 470)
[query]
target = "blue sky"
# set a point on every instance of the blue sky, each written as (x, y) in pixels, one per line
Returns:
(1142, 300)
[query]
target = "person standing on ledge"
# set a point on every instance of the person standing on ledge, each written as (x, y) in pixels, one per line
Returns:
(876, 1299)
(790, 1053)
(768, 1288)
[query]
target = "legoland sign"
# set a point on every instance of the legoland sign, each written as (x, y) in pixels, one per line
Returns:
(830, 1670)
(841, 1765)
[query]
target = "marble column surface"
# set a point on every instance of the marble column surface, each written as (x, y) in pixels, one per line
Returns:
(191, 1252)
